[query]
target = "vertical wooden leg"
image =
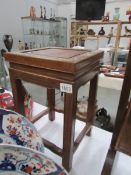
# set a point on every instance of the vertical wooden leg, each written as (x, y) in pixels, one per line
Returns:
(17, 90)
(51, 103)
(70, 103)
(92, 100)
(89, 132)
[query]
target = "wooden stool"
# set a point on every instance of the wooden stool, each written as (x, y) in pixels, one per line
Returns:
(64, 69)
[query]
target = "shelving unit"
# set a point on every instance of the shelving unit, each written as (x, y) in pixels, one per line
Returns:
(44, 33)
(76, 37)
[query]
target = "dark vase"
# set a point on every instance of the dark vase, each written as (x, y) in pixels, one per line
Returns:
(8, 41)
(129, 18)
(101, 32)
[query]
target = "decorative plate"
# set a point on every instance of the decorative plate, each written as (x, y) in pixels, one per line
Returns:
(18, 160)
(16, 129)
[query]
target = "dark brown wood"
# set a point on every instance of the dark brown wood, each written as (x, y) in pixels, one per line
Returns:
(67, 61)
(91, 110)
(39, 115)
(124, 140)
(121, 139)
(108, 163)
(79, 138)
(81, 117)
(123, 103)
(51, 103)
(17, 90)
(55, 149)
(50, 67)
(85, 22)
(70, 101)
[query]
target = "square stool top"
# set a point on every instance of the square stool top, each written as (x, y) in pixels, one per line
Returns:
(59, 59)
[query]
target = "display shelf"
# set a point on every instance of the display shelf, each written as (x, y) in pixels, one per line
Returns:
(123, 36)
(78, 36)
(39, 32)
(96, 36)
(98, 22)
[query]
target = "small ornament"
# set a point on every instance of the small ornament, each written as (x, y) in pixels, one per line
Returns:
(37, 32)
(26, 46)
(101, 32)
(81, 31)
(106, 18)
(6, 100)
(44, 12)
(54, 16)
(8, 41)
(51, 16)
(41, 16)
(110, 34)
(127, 31)
(20, 45)
(128, 12)
(91, 32)
(32, 12)
(129, 18)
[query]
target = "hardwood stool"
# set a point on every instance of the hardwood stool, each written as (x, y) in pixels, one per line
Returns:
(58, 68)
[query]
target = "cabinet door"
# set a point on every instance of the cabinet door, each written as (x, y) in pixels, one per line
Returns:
(28, 31)
(61, 34)
(44, 33)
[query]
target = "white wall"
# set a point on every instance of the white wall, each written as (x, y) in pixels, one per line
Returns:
(11, 13)
(68, 10)
(123, 5)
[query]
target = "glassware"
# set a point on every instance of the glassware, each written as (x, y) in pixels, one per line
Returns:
(116, 16)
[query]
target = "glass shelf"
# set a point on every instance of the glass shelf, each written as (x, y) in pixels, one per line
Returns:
(44, 33)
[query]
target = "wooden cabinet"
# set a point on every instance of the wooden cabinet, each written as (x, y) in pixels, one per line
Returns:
(80, 33)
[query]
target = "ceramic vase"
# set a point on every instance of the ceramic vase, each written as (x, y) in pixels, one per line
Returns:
(8, 41)
(101, 32)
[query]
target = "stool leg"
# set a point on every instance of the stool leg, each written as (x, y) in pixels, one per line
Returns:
(51, 103)
(70, 101)
(89, 132)
(92, 100)
(17, 90)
